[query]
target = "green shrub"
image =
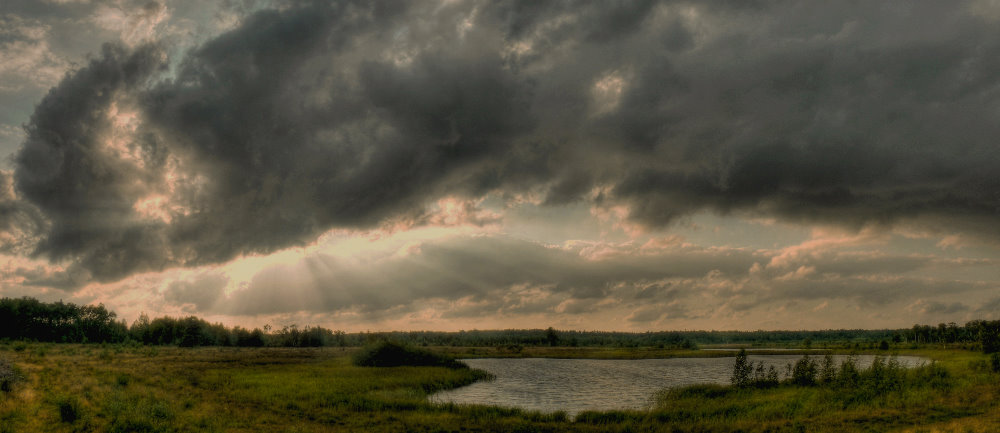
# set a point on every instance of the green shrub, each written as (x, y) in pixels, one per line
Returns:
(391, 354)
(827, 373)
(804, 372)
(933, 375)
(848, 376)
(742, 370)
(123, 380)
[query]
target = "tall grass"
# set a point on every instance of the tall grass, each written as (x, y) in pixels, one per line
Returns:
(320, 389)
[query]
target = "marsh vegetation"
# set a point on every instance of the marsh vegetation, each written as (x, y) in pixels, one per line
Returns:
(134, 388)
(129, 384)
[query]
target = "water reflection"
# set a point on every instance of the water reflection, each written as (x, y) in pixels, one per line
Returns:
(575, 385)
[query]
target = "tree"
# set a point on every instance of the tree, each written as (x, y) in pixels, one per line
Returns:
(828, 372)
(804, 372)
(742, 370)
(848, 376)
(551, 337)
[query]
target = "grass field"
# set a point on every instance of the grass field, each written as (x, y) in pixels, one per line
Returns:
(78, 388)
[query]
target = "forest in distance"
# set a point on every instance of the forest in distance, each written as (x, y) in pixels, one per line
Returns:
(61, 322)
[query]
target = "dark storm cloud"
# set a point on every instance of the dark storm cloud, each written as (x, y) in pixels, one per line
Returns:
(85, 192)
(349, 114)
(854, 117)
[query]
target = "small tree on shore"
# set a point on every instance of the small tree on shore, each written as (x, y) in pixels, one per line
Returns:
(742, 370)
(828, 372)
(804, 372)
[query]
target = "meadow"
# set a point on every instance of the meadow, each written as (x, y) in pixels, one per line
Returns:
(135, 388)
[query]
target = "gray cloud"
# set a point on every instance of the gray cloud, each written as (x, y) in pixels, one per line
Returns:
(499, 276)
(349, 114)
(990, 306)
(85, 192)
(200, 291)
(934, 307)
(495, 273)
(18, 220)
(651, 313)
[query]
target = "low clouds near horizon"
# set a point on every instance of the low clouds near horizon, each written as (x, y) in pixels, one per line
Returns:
(155, 154)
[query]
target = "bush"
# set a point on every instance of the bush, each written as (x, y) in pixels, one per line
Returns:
(765, 377)
(804, 372)
(742, 370)
(69, 409)
(9, 376)
(828, 373)
(392, 354)
(849, 376)
(933, 375)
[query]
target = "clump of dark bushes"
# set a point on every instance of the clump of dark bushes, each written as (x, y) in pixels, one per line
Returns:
(387, 353)
(10, 376)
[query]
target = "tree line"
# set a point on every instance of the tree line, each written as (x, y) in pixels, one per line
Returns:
(62, 322)
(30, 319)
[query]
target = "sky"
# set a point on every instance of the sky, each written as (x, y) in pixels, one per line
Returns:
(450, 164)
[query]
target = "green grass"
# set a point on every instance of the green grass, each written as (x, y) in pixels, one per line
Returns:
(80, 388)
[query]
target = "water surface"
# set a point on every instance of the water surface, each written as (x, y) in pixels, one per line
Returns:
(575, 385)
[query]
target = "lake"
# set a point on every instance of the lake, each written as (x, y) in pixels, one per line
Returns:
(576, 385)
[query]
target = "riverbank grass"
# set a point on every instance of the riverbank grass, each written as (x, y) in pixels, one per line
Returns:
(955, 387)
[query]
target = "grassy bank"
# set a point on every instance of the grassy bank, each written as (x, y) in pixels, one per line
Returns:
(72, 388)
